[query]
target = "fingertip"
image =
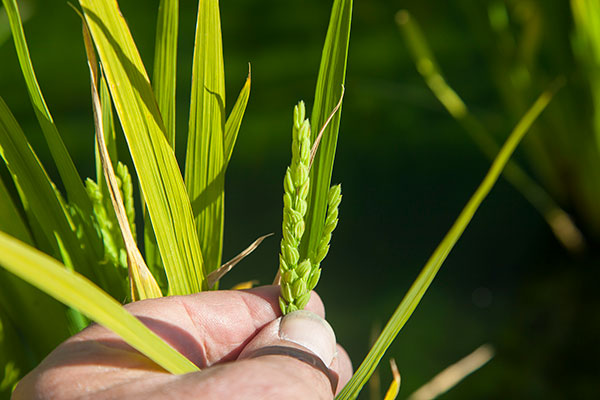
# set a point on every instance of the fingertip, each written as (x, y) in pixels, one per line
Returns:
(343, 366)
(270, 293)
(315, 304)
(304, 337)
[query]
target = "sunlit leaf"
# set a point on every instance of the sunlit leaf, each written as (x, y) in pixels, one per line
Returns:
(394, 388)
(76, 291)
(332, 75)
(217, 274)
(205, 162)
(158, 172)
(431, 268)
(68, 173)
(143, 285)
(165, 64)
(37, 192)
(164, 84)
(234, 121)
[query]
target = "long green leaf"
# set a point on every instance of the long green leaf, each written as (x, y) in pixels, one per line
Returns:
(25, 305)
(165, 64)
(431, 268)
(86, 250)
(68, 173)
(37, 191)
(205, 166)
(76, 291)
(332, 75)
(234, 121)
(143, 285)
(109, 134)
(164, 83)
(557, 219)
(160, 179)
(11, 221)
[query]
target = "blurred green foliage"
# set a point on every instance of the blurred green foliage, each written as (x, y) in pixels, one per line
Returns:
(407, 170)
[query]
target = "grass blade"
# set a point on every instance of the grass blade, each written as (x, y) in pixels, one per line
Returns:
(429, 271)
(143, 285)
(76, 291)
(560, 222)
(394, 388)
(11, 221)
(160, 179)
(37, 192)
(452, 375)
(109, 130)
(68, 173)
(332, 75)
(234, 121)
(220, 272)
(165, 64)
(205, 166)
(164, 82)
(24, 305)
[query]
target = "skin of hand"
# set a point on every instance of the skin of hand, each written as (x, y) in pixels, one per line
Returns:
(238, 338)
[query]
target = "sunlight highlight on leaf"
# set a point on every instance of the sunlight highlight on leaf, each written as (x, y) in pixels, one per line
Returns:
(394, 388)
(76, 291)
(332, 76)
(142, 283)
(160, 178)
(234, 121)
(165, 64)
(205, 165)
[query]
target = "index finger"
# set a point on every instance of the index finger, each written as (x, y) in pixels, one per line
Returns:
(208, 327)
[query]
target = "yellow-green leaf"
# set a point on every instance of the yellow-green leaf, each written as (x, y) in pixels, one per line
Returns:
(332, 75)
(160, 178)
(205, 162)
(68, 173)
(165, 64)
(234, 121)
(143, 285)
(37, 192)
(78, 292)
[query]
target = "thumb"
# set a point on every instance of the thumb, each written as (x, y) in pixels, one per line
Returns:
(301, 348)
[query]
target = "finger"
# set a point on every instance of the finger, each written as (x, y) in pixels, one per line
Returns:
(343, 365)
(290, 358)
(300, 343)
(207, 327)
(282, 373)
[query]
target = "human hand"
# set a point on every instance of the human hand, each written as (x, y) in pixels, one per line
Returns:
(244, 349)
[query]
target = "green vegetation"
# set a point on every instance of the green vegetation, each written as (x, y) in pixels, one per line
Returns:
(70, 248)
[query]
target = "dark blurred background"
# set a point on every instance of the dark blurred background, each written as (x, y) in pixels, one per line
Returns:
(406, 167)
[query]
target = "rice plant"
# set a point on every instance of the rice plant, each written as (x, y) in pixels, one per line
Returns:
(71, 257)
